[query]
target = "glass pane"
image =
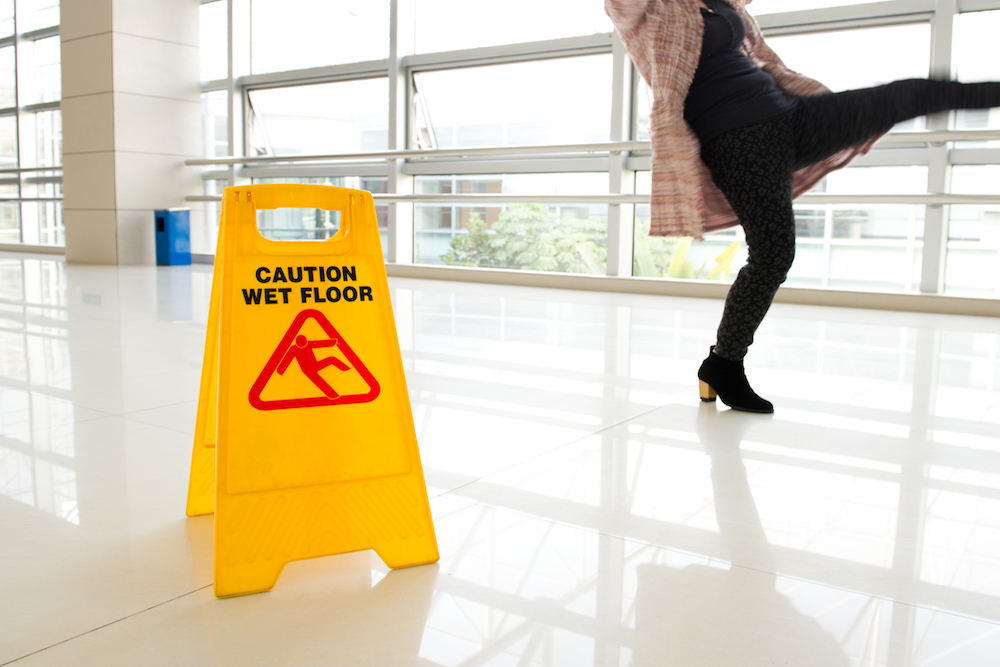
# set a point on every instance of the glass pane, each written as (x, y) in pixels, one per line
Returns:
(42, 222)
(445, 25)
(215, 123)
(775, 6)
(298, 224)
(8, 79)
(205, 227)
(37, 14)
(525, 103)
(860, 247)
(974, 235)
(6, 18)
(862, 55)
(567, 238)
(8, 141)
(327, 118)
(214, 40)
(48, 74)
(314, 224)
(975, 34)
(10, 223)
(48, 138)
(294, 34)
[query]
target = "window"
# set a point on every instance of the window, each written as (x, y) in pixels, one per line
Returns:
(973, 254)
(8, 141)
(560, 101)
(564, 237)
(447, 25)
(866, 57)
(975, 33)
(8, 78)
(214, 21)
(31, 124)
(776, 6)
(294, 34)
(37, 14)
(482, 75)
(215, 123)
(326, 118)
(6, 18)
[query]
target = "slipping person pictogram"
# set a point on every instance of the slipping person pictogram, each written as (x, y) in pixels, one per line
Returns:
(296, 346)
(304, 351)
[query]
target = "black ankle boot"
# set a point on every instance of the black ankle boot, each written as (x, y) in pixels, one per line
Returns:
(725, 378)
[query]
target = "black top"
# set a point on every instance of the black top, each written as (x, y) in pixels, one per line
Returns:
(728, 91)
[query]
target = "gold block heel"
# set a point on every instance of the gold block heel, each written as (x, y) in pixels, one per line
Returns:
(706, 392)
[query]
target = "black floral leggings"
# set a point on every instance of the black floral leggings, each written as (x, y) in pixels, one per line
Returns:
(753, 167)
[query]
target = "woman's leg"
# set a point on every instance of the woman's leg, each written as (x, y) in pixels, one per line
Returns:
(753, 167)
(827, 124)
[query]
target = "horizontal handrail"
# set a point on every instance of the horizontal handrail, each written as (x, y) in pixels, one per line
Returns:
(811, 198)
(561, 149)
(922, 199)
(9, 200)
(28, 170)
(609, 147)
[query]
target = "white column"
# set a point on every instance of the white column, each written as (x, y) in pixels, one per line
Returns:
(131, 115)
(400, 250)
(939, 172)
(621, 180)
(239, 65)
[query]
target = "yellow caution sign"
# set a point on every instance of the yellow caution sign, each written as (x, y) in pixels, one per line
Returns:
(304, 422)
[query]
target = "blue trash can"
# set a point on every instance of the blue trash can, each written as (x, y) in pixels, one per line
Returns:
(173, 236)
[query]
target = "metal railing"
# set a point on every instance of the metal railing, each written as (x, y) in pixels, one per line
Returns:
(14, 179)
(603, 149)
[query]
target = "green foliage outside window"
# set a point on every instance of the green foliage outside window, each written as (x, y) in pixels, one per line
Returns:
(667, 257)
(527, 236)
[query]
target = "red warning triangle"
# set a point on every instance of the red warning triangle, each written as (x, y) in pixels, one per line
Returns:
(295, 347)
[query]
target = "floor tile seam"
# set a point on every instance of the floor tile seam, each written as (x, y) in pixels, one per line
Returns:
(190, 327)
(101, 415)
(122, 414)
(161, 426)
(175, 371)
(554, 449)
(643, 543)
(194, 400)
(105, 625)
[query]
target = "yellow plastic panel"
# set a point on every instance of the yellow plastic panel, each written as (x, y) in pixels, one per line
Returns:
(201, 487)
(315, 448)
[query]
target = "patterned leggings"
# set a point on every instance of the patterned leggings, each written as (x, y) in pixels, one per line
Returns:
(753, 167)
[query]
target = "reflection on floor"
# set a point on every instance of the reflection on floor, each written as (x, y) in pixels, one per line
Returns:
(589, 509)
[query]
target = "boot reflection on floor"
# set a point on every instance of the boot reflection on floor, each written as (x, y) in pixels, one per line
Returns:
(705, 615)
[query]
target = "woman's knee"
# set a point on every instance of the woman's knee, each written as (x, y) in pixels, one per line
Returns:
(773, 265)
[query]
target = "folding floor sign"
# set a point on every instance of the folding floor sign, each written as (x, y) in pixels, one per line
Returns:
(304, 422)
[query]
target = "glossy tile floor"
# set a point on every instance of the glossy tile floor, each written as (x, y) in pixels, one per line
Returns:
(589, 509)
